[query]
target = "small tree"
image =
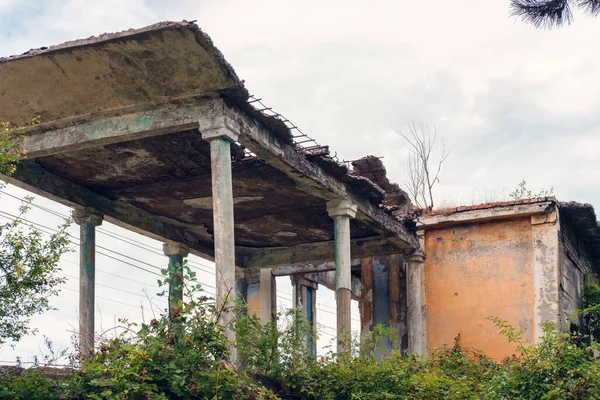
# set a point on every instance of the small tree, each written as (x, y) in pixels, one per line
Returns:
(422, 172)
(28, 262)
(551, 13)
(523, 192)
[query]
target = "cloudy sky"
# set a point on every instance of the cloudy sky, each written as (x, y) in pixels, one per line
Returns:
(511, 102)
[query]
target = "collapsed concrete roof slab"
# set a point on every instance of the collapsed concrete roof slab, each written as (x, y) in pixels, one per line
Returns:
(113, 71)
(121, 115)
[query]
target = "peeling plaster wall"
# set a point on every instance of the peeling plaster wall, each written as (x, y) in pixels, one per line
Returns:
(546, 275)
(383, 299)
(473, 271)
(574, 267)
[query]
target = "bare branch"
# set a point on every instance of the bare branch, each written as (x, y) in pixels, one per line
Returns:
(420, 179)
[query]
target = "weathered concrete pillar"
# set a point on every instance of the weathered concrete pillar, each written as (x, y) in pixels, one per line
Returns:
(304, 298)
(220, 138)
(416, 316)
(365, 304)
(546, 271)
(176, 253)
(88, 220)
(261, 292)
(383, 301)
(341, 210)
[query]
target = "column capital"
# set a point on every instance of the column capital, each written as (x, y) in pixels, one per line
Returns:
(219, 133)
(221, 127)
(175, 249)
(341, 208)
(418, 257)
(83, 215)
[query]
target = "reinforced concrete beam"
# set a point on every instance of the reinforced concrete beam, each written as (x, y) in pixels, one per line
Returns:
(309, 176)
(312, 268)
(135, 125)
(327, 279)
(313, 252)
(215, 115)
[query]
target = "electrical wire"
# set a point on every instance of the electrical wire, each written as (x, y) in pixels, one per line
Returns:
(45, 229)
(135, 243)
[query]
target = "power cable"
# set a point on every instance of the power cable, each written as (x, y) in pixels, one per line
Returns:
(134, 243)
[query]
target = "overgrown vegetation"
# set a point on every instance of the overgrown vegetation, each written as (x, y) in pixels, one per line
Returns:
(28, 260)
(186, 356)
(590, 311)
(522, 191)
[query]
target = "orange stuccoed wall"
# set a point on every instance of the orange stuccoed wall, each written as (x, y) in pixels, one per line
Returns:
(477, 270)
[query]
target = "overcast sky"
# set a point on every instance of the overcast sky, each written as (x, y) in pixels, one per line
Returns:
(511, 102)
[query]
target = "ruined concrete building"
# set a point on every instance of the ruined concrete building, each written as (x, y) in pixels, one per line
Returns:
(138, 128)
(151, 129)
(523, 261)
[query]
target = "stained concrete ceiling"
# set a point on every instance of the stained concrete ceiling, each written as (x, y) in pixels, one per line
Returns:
(162, 174)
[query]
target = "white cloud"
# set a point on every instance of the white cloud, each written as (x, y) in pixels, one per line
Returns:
(511, 102)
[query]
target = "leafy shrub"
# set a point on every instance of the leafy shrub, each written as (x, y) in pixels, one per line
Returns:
(28, 261)
(276, 350)
(185, 355)
(31, 385)
(450, 373)
(590, 313)
(557, 368)
(180, 356)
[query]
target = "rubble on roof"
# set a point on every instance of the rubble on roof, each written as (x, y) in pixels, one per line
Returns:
(395, 199)
(486, 206)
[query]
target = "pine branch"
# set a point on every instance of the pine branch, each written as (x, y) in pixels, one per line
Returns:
(547, 13)
(592, 7)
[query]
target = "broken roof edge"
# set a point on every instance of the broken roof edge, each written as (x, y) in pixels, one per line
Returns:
(484, 206)
(237, 95)
(109, 36)
(485, 212)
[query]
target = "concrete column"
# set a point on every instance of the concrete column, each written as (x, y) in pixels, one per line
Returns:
(261, 292)
(341, 210)
(87, 220)
(176, 253)
(220, 138)
(546, 271)
(304, 298)
(416, 317)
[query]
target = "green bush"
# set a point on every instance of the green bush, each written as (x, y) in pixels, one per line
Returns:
(186, 356)
(180, 356)
(557, 368)
(31, 385)
(450, 373)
